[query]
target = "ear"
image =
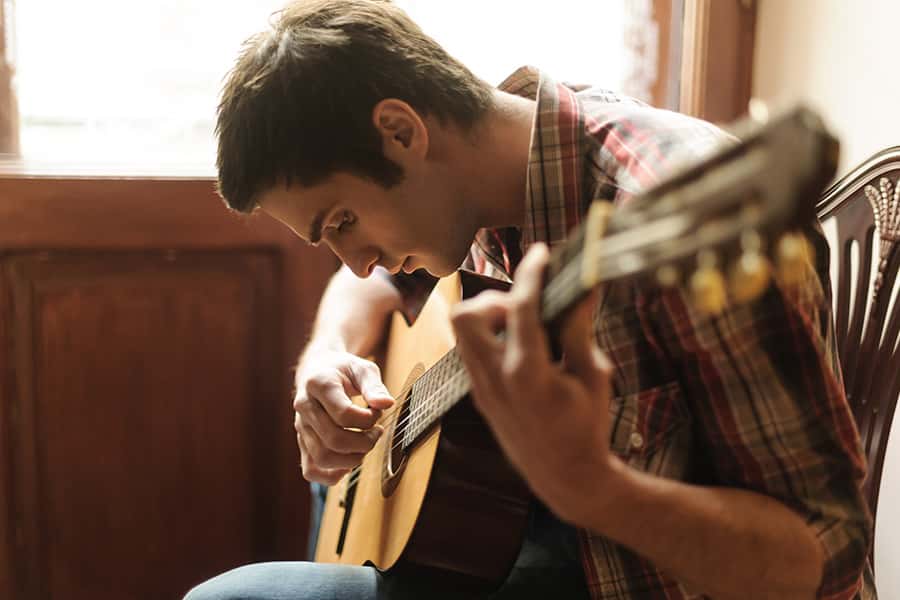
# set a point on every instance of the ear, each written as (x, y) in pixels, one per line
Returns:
(404, 135)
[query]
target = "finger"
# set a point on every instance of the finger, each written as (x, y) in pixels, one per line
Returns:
(476, 323)
(325, 458)
(525, 331)
(490, 307)
(336, 438)
(329, 393)
(583, 357)
(366, 378)
(311, 472)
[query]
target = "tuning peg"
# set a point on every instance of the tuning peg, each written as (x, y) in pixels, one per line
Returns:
(708, 286)
(795, 257)
(750, 274)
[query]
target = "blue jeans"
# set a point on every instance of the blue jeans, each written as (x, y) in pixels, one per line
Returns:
(548, 566)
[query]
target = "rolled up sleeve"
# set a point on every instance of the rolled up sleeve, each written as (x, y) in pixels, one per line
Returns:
(764, 385)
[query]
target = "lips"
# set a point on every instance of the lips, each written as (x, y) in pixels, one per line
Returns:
(405, 266)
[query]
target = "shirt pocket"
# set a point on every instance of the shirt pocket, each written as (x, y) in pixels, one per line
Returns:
(650, 429)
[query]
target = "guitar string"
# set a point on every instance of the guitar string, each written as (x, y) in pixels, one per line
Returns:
(357, 474)
(426, 403)
(562, 282)
(567, 273)
(437, 395)
(443, 386)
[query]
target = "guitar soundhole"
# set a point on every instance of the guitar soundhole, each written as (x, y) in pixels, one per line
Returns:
(396, 453)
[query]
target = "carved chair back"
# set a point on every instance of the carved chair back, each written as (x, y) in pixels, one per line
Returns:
(865, 206)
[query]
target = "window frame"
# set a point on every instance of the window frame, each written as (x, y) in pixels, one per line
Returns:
(9, 114)
(717, 64)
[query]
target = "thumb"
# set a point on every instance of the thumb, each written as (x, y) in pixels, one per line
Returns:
(368, 381)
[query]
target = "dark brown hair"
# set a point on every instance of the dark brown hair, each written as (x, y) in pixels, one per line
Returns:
(297, 105)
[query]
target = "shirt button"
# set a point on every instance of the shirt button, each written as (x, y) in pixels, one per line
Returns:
(636, 440)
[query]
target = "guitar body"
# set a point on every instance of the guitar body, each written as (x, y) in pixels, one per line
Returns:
(457, 510)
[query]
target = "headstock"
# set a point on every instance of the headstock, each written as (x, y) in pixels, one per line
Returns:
(713, 225)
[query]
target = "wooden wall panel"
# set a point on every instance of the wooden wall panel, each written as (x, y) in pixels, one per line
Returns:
(717, 62)
(145, 414)
(9, 536)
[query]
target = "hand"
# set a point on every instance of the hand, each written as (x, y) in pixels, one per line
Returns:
(333, 433)
(551, 419)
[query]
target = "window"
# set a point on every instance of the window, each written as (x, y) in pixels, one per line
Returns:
(572, 40)
(126, 84)
(132, 86)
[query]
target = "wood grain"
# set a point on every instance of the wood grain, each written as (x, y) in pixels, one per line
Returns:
(148, 338)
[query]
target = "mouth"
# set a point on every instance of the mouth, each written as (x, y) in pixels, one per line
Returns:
(407, 265)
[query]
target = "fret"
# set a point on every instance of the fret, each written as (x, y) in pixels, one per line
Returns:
(442, 387)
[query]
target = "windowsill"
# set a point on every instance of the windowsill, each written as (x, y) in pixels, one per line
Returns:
(27, 168)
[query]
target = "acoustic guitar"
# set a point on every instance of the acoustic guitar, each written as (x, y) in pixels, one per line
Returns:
(436, 493)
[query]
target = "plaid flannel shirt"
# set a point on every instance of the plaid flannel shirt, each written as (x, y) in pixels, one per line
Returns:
(751, 399)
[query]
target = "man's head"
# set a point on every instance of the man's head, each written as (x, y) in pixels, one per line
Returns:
(305, 101)
(329, 123)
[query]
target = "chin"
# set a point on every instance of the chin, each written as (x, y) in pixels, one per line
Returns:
(437, 272)
(442, 265)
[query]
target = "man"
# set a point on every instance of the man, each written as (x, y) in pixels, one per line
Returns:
(694, 456)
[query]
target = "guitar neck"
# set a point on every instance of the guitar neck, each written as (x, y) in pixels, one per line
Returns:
(442, 386)
(438, 390)
(753, 190)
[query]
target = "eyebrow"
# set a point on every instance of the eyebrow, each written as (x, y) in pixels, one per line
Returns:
(315, 228)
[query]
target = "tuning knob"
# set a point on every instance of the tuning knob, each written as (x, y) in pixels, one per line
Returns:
(795, 257)
(750, 274)
(708, 286)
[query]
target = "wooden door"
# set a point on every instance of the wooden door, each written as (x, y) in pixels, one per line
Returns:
(147, 337)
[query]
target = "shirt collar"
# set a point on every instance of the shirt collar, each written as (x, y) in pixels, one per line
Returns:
(553, 192)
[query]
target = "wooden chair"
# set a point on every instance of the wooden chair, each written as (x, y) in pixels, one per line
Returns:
(864, 203)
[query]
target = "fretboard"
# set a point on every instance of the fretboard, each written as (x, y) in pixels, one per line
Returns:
(433, 394)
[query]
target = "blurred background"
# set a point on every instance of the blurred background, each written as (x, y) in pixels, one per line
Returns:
(134, 84)
(147, 335)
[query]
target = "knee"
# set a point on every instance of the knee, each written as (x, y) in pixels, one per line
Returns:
(202, 592)
(230, 585)
(206, 591)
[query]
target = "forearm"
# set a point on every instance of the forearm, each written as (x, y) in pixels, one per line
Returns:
(352, 313)
(725, 542)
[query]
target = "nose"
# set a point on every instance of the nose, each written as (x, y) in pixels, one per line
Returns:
(362, 268)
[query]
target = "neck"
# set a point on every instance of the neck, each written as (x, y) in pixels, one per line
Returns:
(493, 162)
